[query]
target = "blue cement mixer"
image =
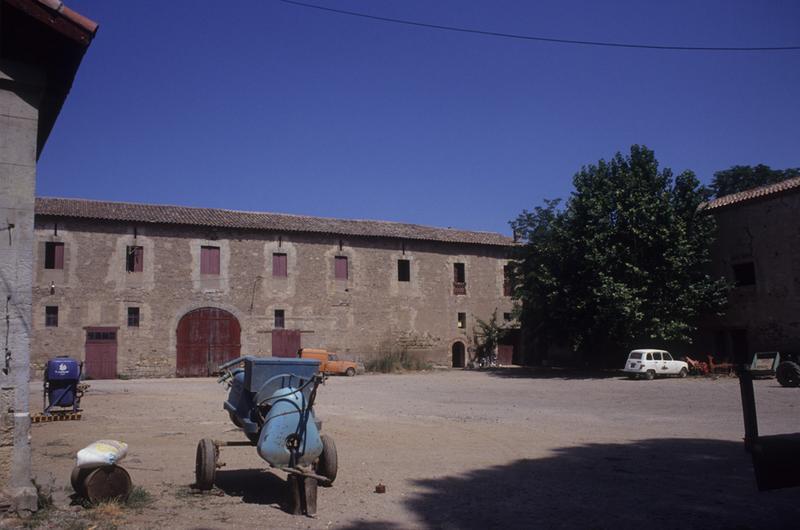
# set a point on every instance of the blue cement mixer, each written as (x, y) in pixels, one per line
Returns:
(61, 378)
(272, 401)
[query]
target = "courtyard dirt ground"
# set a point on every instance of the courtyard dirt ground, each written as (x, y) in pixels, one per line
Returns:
(455, 449)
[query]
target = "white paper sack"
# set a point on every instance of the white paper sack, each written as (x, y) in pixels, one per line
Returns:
(102, 453)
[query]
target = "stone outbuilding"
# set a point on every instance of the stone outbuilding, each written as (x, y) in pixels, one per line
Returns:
(758, 250)
(151, 290)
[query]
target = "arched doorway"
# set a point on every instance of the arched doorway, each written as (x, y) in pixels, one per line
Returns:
(207, 337)
(458, 355)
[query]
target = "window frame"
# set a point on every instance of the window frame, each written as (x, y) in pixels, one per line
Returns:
(508, 286)
(403, 270)
(54, 255)
(210, 260)
(280, 263)
(459, 278)
(134, 317)
(338, 273)
(134, 258)
(51, 316)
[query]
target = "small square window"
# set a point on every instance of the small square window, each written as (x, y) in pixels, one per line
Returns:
(340, 267)
(507, 317)
(51, 316)
(209, 260)
(133, 259)
(403, 270)
(53, 255)
(280, 321)
(744, 274)
(133, 317)
(279, 265)
(462, 321)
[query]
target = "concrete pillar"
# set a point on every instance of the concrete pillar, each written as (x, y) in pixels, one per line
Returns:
(20, 94)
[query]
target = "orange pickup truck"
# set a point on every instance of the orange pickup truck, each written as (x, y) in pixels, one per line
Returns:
(329, 363)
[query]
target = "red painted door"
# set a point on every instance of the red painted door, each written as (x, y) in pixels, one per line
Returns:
(285, 342)
(100, 353)
(505, 354)
(207, 337)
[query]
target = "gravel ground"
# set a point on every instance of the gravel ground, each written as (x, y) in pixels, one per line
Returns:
(455, 449)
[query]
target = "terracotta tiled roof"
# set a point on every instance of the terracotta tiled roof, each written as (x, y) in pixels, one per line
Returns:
(755, 193)
(161, 214)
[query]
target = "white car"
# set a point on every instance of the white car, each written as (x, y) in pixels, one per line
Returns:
(650, 363)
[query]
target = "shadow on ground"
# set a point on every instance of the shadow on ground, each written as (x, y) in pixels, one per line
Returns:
(538, 372)
(254, 486)
(661, 483)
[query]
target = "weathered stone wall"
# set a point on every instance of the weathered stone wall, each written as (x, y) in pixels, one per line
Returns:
(767, 233)
(20, 87)
(359, 317)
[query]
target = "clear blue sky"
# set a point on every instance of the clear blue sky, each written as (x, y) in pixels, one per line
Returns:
(266, 106)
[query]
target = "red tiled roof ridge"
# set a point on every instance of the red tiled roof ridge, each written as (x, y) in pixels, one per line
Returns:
(753, 193)
(76, 18)
(227, 218)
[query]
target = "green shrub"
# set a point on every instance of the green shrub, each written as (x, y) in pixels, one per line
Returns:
(396, 361)
(139, 498)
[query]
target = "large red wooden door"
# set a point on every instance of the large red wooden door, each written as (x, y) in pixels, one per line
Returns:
(505, 354)
(207, 337)
(100, 353)
(285, 342)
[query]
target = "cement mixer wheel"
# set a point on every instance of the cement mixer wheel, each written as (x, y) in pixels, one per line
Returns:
(205, 468)
(328, 463)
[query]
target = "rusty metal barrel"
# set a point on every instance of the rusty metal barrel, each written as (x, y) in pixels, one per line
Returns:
(103, 483)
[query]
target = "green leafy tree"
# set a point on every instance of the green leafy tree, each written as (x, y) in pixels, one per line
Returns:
(487, 336)
(621, 264)
(740, 178)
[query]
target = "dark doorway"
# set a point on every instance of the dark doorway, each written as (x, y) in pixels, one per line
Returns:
(732, 345)
(458, 355)
(740, 347)
(101, 353)
(285, 342)
(207, 337)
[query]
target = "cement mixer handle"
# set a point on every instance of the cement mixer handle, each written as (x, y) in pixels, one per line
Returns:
(231, 363)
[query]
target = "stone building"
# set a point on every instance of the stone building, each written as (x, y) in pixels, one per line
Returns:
(42, 43)
(148, 290)
(758, 250)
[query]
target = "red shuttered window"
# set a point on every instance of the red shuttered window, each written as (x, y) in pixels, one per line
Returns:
(279, 267)
(340, 267)
(209, 260)
(53, 255)
(134, 259)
